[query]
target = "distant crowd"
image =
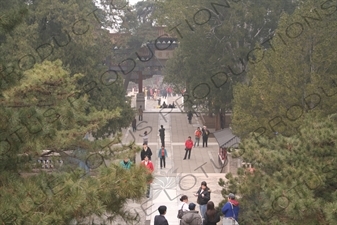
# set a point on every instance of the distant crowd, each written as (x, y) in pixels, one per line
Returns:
(156, 92)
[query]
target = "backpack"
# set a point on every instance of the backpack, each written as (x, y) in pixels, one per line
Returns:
(197, 133)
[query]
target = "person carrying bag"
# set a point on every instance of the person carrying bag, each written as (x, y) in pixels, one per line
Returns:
(180, 212)
(231, 211)
(183, 208)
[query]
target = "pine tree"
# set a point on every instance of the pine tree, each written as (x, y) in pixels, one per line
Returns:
(45, 105)
(285, 116)
(37, 108)
(293, 181)
(295, 76)
(71, 31)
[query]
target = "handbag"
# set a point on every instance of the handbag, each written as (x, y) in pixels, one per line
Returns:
(234, 220)
(180, 212)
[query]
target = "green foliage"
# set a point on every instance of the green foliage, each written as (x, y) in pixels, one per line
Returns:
(60, 198)
(295, 76)
(38, 108)
(71, 31)
(215, 38)
(11, 18)
(53, 91)
(289, 91)
(293, 181)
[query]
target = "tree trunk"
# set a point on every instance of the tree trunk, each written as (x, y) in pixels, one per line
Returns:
(217, 121)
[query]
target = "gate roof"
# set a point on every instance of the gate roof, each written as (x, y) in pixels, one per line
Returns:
(226, 138)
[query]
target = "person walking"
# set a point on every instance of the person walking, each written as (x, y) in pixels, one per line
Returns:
(134, 125)
(169, 91)
(191, 217)
(197, 134)
(151, 93)
(162, 154)
(212, 217)
(231, 211)
(188, 147)
(204, 195)
(162, 135)
(155, 95)
(205, 134)
(145, 138)
(164, 93)
(146, 92)
(189, 116)
(149, 165)
(160, 219)
(146, 151)
(140, 113)
(126, 163)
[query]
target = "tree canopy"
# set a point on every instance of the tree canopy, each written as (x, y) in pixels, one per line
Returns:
(71, 31)
(284, 113)
(295, 76)
(54, 89)
(293, 180)
(215, 38)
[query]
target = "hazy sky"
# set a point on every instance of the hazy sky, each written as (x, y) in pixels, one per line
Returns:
(132, 2)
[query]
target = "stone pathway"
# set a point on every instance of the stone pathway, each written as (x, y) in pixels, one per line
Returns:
(180, 176)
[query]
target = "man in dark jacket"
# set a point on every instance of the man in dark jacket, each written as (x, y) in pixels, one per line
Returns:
(205, 133)
(134, 125)
(145, 152)
(189, 116)
(191, 217)
(231, 210)
(160, 219)
(162, 135)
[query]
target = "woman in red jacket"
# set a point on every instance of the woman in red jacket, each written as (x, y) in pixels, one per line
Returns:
(188, 147)
(149, 165)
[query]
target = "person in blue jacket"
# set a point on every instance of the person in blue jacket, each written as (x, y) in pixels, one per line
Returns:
(231, 210)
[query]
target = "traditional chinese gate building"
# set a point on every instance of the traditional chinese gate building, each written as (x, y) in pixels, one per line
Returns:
(137, 65)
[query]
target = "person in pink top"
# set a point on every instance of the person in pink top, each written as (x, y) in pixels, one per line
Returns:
(149, 165)
(188, 147)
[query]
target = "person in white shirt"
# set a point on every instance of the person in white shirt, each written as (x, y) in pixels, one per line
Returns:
(183, 203)
(145, 138)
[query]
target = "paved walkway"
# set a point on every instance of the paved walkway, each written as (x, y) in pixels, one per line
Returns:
(180, 176)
